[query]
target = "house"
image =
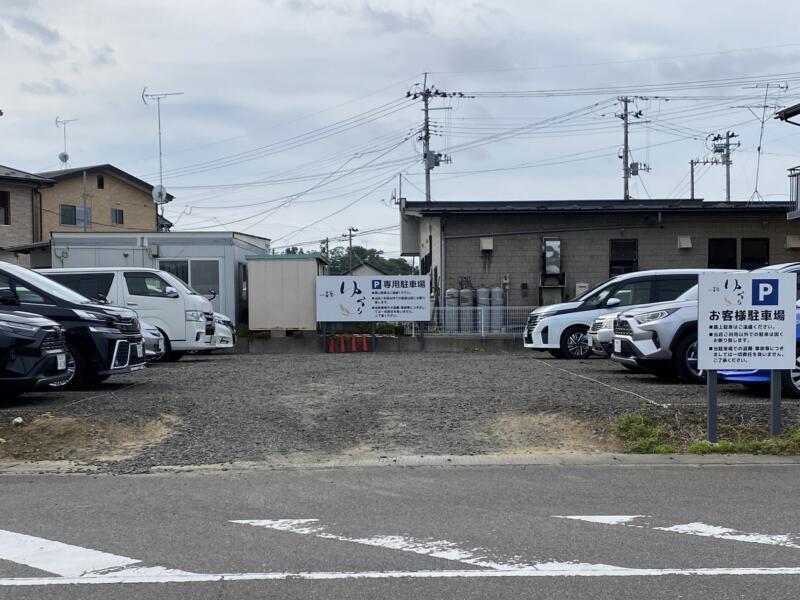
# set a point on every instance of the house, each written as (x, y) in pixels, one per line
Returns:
(97, 198)
(542, 252)
(367, 268)
(20, 197)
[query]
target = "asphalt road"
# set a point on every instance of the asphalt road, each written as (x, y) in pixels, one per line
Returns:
(427, 533)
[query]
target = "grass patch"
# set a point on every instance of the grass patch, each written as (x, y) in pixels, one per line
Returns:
(642, 435)
(785, 444)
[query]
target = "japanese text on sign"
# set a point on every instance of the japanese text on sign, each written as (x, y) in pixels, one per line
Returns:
(366, 298)
(746, 320)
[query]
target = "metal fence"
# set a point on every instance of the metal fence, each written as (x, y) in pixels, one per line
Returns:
(482, 321)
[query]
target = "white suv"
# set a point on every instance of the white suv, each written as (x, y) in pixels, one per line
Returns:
(562, 329)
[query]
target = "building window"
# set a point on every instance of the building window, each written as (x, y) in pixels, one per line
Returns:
(623, 257)
(5, 208)
(722, 253)
(117, 216)
(755, 253)
(101, 182)
(69, 214)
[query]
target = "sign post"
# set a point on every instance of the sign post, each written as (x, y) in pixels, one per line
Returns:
(746, 321)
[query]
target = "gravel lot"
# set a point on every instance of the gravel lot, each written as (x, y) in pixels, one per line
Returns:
(308, 407)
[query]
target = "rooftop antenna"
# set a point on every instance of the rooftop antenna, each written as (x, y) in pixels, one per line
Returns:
(63, 156)
(159, 191)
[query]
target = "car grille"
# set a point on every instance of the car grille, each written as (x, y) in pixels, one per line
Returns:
(622, 327)
(53, 341)
(209, 323)
(596, 326)
(121, 357)
(532, 321)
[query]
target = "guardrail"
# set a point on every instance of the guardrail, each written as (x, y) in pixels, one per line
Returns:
(481, 321)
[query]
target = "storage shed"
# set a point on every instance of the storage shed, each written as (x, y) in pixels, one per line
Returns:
(282, 291)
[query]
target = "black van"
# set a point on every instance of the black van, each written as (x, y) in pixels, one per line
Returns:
(101, 340)
(33, 352)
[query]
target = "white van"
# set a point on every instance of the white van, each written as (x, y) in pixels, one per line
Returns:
(184, 317)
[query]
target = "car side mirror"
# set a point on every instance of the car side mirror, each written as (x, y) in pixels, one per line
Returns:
(213, 293)
(613, 302)
(171, 292)
(9, 298)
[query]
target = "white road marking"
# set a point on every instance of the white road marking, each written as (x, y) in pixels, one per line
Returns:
(67, 560)
(698, 529)
(444, 549)
(542, 570)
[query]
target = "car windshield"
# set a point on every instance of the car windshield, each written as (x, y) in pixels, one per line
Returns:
(596, 296)
(178, 283)
(690, 294)
(46, 285)
(595, 290)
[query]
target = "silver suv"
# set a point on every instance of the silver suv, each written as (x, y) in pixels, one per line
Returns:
(661, 338)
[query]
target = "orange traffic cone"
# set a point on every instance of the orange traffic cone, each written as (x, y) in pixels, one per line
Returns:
(332, 344)
(353, 342)
(364, 343)
(342, 346)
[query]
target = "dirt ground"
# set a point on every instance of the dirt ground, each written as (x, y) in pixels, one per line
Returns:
(313, 408)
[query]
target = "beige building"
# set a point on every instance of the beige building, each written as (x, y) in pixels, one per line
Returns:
(20, 193)
(99, 198)
(548, 251)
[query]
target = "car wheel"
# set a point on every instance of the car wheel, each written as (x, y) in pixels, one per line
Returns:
(575, 342)
(686, 360)
(790, 380)
(76, 370)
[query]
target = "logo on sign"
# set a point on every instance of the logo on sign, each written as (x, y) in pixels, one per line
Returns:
(376, 284)
(765, 292)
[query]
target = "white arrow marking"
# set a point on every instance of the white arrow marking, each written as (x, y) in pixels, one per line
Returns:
(69, 561)
(696, 529)
(476, 557)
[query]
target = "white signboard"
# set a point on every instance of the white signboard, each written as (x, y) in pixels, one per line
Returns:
(746, 320)
(373, 298)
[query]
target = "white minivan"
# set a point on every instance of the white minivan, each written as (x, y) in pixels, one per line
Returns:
(184, 317)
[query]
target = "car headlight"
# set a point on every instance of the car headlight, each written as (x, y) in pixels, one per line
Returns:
(154, 332)
(656, 315)
(95, 329)
(19, 329)
(195, 315)
(88, 315)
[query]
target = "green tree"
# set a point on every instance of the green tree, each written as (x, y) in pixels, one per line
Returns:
(339, 259)
(293, 250)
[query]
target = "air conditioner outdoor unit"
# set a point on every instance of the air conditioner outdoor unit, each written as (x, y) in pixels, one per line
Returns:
(684, 242)
(487, 244)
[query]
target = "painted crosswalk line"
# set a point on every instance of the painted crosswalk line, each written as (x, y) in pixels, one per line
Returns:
(477, 557)
(698, 529)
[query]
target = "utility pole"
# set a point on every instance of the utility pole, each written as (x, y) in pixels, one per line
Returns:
(432, 159)
(723, 149)
(626, 169)
(350, 231)
(691, 179)
(326, 243)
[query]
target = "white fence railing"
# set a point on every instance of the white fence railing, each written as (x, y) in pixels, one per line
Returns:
(482, 321)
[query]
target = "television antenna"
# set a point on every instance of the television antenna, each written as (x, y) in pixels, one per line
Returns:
(159, 191)
(64, 156)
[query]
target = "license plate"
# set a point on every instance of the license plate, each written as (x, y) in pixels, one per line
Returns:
(617, 345)
(590, 340)
(61, 361)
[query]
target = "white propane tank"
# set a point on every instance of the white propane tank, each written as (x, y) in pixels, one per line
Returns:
(497, 309)
(451, 310)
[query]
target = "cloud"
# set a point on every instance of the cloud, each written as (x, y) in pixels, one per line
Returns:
(390, 21)
(54, 87)
(35, 29)
(103, 56)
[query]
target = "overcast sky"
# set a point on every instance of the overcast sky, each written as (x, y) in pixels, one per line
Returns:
(304, 101)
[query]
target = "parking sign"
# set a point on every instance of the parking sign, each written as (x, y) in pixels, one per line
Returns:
(746, 320)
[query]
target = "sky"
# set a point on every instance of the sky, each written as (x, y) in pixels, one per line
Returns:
(294, 124)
